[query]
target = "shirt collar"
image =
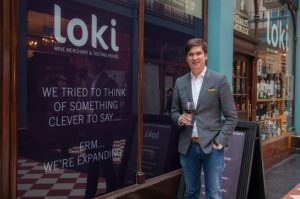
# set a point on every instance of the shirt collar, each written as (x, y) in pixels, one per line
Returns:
(93, 77)
(200, 75)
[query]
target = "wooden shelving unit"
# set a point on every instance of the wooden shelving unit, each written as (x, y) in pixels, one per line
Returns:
(240, 83)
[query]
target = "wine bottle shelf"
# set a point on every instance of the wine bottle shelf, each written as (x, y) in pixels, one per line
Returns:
(270, 100)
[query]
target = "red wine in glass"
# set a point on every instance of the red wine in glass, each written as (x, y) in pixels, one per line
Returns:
(189, 108)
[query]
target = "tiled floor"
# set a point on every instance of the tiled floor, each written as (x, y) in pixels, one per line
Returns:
(282, 178)
(64, 183)
(33, 182)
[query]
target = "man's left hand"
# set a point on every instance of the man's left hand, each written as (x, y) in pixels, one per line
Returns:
(217, 146)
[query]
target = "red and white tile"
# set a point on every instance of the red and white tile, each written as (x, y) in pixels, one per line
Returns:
(33, 182)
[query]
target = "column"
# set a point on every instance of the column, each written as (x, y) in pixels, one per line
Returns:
(220, 36)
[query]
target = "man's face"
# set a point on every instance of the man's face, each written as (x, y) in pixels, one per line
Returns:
(196, 59)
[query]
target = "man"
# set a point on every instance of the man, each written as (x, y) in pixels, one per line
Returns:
(202, 144)
(63, 135)
(102, 132)
(169, 97)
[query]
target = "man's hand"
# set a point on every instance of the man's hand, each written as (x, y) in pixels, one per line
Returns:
(217, 146)
(185, 119)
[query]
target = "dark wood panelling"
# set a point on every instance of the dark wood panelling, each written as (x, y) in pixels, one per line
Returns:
(5, 60)
(296, 141)
(163, 186)
(163, 189)
(277, 149)
(244, 44)
(9, 24)
(1, 85)
(140, 175)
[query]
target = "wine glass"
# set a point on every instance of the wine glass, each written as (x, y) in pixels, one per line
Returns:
(189, 108)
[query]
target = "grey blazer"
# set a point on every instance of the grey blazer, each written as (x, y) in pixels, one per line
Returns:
(215, 100)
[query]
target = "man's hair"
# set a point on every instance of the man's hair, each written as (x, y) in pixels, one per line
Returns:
(195, 42)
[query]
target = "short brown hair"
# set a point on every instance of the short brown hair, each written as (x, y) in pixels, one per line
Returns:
(195, 42)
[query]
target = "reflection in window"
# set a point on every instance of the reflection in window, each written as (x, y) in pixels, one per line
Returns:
(181, 10)
(80, 120)
(168, 25)
(274, 77)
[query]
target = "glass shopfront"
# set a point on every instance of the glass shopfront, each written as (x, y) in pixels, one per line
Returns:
(275, 78)
(270, 28)
(77, 116)
(77, 92)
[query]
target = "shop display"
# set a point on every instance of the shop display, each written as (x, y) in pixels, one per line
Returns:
(271, 109)
(240, 85)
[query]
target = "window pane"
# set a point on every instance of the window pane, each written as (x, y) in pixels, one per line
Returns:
(168, 25)
(275, 79)
(76, 134)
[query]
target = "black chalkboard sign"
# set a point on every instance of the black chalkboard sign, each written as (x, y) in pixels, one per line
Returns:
(155, 148)
(243, 175)
(159, 150)
(232, 160)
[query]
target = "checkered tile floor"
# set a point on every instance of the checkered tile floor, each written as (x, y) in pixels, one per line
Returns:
(33, 182)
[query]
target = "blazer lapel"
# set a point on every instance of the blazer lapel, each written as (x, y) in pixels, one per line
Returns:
(204, 88)
(189, 88)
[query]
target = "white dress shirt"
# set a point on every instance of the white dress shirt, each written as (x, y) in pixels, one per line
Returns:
(196, 88)
(94, 79)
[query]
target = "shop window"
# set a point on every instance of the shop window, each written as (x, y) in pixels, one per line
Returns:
(77, 131)
(151, 85)
(241, 87)
(168, 25)
(78, 125)
(274, 71)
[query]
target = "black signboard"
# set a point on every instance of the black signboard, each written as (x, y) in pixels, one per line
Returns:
(233, 159)
(159, 150)
(155, 148)
(243, 175)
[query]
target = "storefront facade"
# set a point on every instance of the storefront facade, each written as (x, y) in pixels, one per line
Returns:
(86, 87)
(264, 72)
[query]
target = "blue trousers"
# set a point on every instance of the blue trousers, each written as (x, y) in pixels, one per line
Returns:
(213, 166)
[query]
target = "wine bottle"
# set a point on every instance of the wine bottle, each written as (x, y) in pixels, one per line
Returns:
(272, 85)
(278, 92)
(238, 69)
